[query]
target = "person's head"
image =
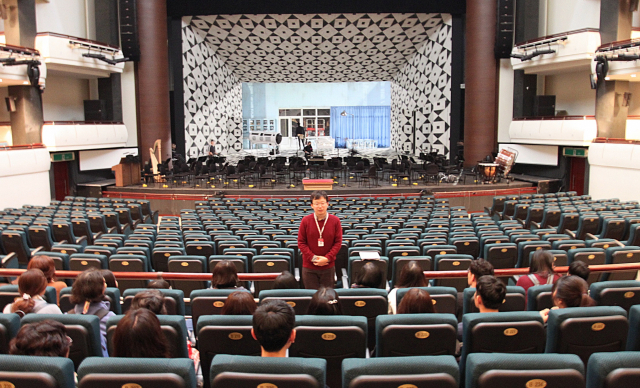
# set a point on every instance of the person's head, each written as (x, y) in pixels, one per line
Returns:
(325, 302)
(139, 334)
(225, 275)
(308, 143)
(273, 326)
(411, 275)
(88, 287)
(490, 293)
(319, 203)
(370, 276)
(416, 301)
(31, 283)
(285, 280)
(45, 338)
(212, 142)
(152, 300)
(159, 284)
(44, 264)
(109, 278)
(239, 303)
(478, 268)
(571, 291)
(580, 269)
(541, 262)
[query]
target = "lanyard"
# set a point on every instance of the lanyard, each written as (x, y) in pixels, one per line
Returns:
(318, 225)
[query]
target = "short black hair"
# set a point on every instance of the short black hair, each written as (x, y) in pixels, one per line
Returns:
(319, 194)
(273, 322)
(88, 287)
(369, 276)
(480, 267)
(491, 290)
(580, 269)
(285, 280)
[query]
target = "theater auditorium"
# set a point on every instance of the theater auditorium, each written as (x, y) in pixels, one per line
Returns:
(352, 194)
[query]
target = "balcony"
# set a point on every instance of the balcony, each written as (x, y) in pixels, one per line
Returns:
(573, 51)
(621, 56)
(558, 130)
(63, 54)
(15, 64)
(83, 135)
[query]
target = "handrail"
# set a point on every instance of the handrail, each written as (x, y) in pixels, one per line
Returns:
(80, 40)
(548, 118)
(273, 275)
(82, 122)
(558, 35)
(21, 147)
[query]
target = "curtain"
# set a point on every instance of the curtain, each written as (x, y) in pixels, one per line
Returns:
(361, 122)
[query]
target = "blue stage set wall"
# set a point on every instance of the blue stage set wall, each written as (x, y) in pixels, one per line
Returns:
(264, 100)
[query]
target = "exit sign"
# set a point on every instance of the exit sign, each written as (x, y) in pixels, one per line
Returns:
(575, 152)
(62, 156)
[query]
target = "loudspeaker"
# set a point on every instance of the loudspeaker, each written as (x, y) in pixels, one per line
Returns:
(544, 106)
(95, 110)
(129, 30)
(504, 28)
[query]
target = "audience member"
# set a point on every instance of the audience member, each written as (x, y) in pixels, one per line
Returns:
(239, 303)
(370, 276)
(540, 271)
(110, 278)
(273, 328)
(87, 294)
(284, 281)
(139, 334)
(416, 301)
(490, 293)
(152, 300)
(580, 269)
(411, 275)
(159, 284)
(47, 266)
(477, 268)
(569, 291)
(31, 285)
(225, 276)
(45, 338)
(325, 302)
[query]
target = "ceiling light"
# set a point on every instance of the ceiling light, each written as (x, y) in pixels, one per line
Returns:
(25, 82)
(633, 76)
(607, 78)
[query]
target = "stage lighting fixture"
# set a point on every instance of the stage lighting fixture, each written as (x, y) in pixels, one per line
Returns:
(344, 113)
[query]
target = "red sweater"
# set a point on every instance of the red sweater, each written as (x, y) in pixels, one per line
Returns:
(308, 236)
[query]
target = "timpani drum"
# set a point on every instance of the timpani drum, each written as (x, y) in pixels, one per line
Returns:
(488, 171)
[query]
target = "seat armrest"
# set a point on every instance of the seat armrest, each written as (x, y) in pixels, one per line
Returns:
(38, 249)
(97, 235)
(619, 243)
(7, 259)
(112, 230)
(345, 278)
(570, 233)
(488, 211)
(592, 237)
(82, 239)
(125, 228)
(533, 223)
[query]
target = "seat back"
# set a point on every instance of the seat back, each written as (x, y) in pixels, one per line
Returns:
(129, 263)
(513, 301)
(224, 334)
(591, 256)
(452, 262)
(112, 295)
(523, 370)
(333, 338)
(267, 264)
(298, 299)
(623, 293)
(416, 335)
(84, 330)
(621, 255)
(540, 297)
(160, 257)
(445, 299)
(614, 369)
(208, 302)
(173, 300)
(414, 371)
(364, 302)
(137, 372)
(36, 371)
(586, 330)
(245, 371)
(174, 328)
(356, 264)
(16, 241)
(188, 264)
(398, 263)
(9, 326)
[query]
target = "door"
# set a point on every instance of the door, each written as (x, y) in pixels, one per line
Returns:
(577, 171)
(61, 179)
(288, 127)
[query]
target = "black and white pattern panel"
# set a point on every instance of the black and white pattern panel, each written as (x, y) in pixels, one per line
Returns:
(212, 97)
(315, 47)
(423, 86)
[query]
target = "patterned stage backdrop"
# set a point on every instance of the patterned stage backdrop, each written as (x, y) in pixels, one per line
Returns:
(424, 85)
(413, 51)
(212, 97)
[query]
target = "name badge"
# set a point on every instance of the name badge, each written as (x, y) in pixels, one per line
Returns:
(320, 242)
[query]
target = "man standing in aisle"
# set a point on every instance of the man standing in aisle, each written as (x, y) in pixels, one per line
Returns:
(300, 136)
(212, 148)
(319, 240)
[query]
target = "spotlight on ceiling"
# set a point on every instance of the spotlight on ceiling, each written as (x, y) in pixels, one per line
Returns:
(344, 113)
